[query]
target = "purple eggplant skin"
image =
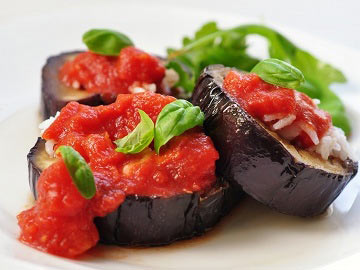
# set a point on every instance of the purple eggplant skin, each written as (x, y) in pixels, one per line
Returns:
(55, 95)
(152, 221)
(261, 163)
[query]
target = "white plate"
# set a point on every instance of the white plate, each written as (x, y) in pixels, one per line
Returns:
(251, 237)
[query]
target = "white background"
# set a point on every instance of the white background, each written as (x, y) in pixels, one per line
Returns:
(334, 20)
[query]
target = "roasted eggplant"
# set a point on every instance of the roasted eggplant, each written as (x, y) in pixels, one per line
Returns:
(290, 180)
(151, 220)
(55, 94)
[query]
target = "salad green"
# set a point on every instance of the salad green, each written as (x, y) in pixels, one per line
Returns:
(212, 45)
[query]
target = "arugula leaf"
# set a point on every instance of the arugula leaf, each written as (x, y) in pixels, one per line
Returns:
(206, 29)
(212, 45)
(79, 171)
(138, 139)
(229, 49)
(106, 42)
(184, 78)
(174, 119)
(278, 72)
(316, 68)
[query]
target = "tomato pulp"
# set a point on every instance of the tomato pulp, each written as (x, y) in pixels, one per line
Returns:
(112, 74)
(261, 99)
(61, 222)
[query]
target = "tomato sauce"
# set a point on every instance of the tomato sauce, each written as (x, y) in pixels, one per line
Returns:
(61, 222)
(112, 74)
(259, 99)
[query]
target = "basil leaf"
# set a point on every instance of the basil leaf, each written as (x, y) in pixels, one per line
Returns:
(106, 42)
(139, 138)
(278, 72)
(79, 171)
(174, 119)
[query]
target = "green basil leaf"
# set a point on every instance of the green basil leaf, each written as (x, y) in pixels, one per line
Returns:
(79, 171)
(334, 106)
(278, 72)
(174, 119)
(106, 42)
(139, 138)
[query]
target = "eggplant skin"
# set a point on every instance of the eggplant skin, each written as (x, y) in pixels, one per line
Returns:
(55, 95)
(256, 161)
(148, 221)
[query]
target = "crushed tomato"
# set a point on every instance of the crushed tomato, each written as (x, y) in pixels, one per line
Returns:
(61, 222)
(109, 75)
(260, 98)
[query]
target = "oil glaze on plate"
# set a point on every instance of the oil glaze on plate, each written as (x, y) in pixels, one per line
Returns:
(252, 236)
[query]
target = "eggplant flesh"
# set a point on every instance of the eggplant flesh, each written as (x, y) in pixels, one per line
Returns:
(290, 180)
(151, 221)
(55, 94)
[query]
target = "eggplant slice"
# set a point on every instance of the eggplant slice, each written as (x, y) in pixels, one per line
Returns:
(290, 180)
(55, 94)
(151, 221)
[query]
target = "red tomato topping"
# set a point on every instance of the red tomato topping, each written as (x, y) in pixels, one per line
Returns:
(61, 221)
(261, 99)
(135, 65)
(112, 75)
